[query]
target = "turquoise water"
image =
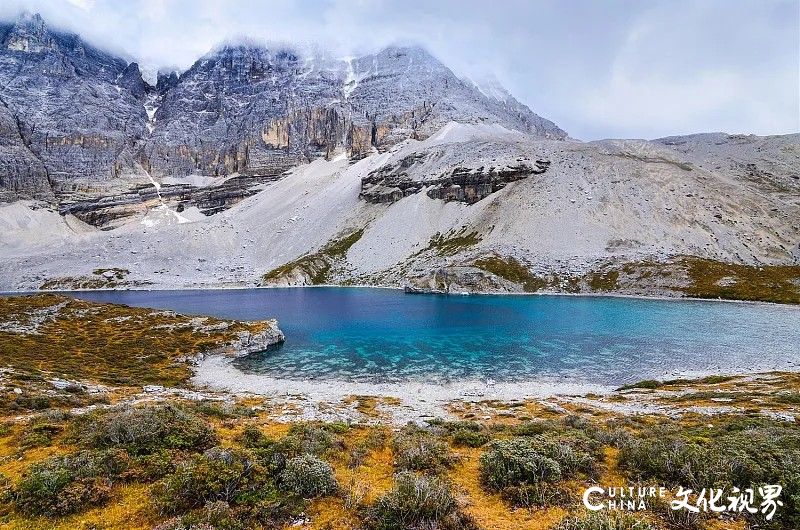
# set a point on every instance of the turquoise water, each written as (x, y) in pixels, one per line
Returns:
(376, 335)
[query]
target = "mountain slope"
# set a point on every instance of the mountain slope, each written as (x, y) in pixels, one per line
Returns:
(621, 216)
(248, 109)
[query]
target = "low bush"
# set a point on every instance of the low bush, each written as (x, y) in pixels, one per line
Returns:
(308, 477)
(535, 427)
(647, 384)
(737, 451)
(217, 515)
(216, 475)
(516, 462)
(318, 439)
(417, 449)
(469, 438)
(154, 466)
(375, 439)
(418, 503)
(253, 438)
(223, 410)
(40, 434)
(603, 521)
(524, 470)
(6, 495)
(67, 484)
(144, 430)
(465, 433)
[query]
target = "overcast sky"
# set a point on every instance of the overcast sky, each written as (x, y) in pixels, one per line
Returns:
(625, 68)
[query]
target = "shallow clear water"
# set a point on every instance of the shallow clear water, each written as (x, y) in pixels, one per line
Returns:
(371, 335)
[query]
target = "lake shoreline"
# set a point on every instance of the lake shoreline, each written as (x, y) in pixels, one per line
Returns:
(416, 400)
(389, 288)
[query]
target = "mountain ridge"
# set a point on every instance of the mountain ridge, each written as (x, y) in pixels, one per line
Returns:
(238, 109)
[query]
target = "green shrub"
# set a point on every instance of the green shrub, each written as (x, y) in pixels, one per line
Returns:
(67, 484)
(217, 515)
(216, 475)
(253, 438)
(603, 521)
(308, 477)
(736, 452)
(647, 384)
(154, 466)
(539, 494)
(464, 433)
(577, 422)
(418, 503)
(375, 439)
(791, 398)
(419, 450)
(6, 495)
(535, 427)
(318, 439)
(516, 462)
(524, 470)
(223, 410)
(143, 430)
(40, 434)
(468, 438)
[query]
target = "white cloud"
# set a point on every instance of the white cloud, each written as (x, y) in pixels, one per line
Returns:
(83, 4)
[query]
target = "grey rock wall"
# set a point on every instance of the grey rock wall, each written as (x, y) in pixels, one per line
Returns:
(75, 124)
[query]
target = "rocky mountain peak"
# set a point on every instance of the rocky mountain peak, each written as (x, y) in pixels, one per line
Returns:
(166, 80)
(131, 79)
(29, 34)
(242, 63)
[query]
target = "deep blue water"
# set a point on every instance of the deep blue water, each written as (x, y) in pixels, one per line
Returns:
(370, 335)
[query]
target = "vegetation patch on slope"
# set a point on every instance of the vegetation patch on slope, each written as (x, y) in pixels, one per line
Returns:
(729, 281)
(316, 267)
(453, 242)
(512, 270)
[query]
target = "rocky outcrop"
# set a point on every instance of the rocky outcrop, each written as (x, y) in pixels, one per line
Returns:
(105, 211)
(455, 280)
(248, 342)
(462, 184)
(22, 174)
(131, 80)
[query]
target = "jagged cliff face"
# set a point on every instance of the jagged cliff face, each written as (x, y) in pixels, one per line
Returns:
(78, 122)
(407, 93)
(244, 109)
(252, 110)
(22, 174)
